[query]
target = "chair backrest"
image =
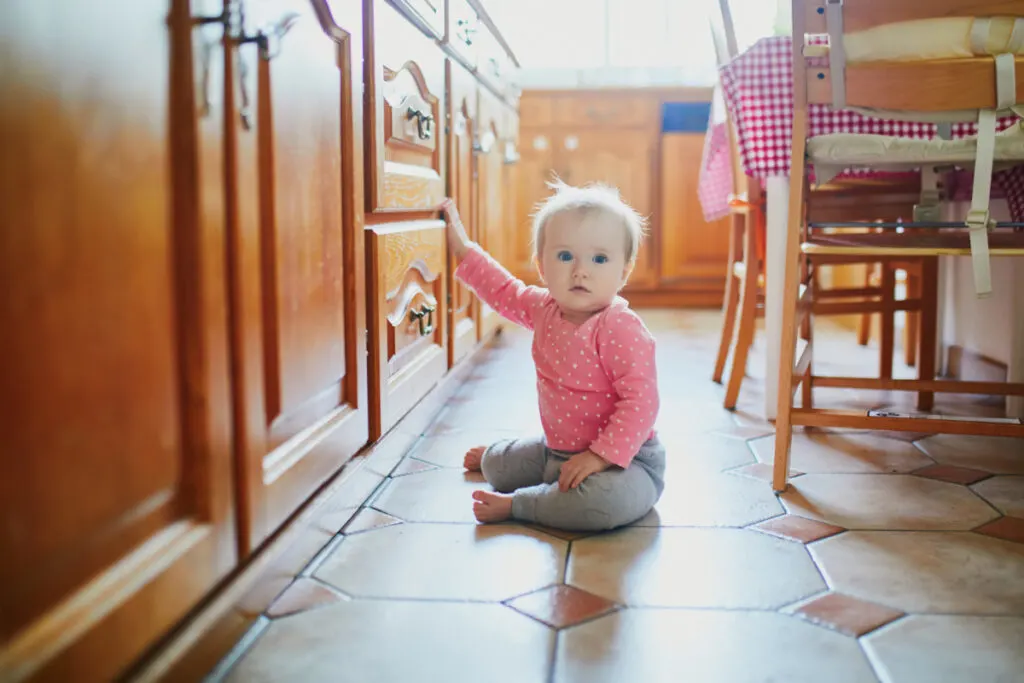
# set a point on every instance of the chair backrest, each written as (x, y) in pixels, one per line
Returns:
(723, 35)
(913, 85)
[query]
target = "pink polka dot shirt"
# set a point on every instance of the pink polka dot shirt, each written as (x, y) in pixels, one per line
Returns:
(596, 381)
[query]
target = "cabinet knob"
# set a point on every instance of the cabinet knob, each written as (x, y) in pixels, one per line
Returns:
(425, 317)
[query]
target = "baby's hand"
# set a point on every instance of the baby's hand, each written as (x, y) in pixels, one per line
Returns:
(458, 240)
(579, 467)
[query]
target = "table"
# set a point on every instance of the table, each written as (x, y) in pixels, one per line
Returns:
(757, 87)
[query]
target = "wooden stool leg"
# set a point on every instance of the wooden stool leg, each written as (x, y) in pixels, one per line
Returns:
(929, 329)
(807, 333)
(912, 321)
(748, 319)
(864, 324)
(731, 299)
(888, 321)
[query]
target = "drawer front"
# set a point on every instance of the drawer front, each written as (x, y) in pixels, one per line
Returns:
(464, 28)
(408, 314)
(606, 111)
(405, 159)
(494, 66)
(427, 14)
(537, 110)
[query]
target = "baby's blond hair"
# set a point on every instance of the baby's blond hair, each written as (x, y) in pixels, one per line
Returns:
(593, 197)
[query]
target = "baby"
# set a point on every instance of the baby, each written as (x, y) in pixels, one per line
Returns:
(599, 464)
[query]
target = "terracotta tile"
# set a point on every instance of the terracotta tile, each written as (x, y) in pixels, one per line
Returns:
(846, 614)
(412, 466)
(368, 519)
(561, 606)
(761, 471)
(707, 646)
(304, 594)
(390, 640)
(797, 528)
(899, 502)
(930, 648)
(1004, 493)
(925, 571)
(952, 474)
(1006, 528)
(739, 569)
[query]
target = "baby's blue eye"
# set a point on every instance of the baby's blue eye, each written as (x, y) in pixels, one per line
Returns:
(564, 256)
(600, 258)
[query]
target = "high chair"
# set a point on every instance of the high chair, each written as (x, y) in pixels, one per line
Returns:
(845, 200)
(877, 67)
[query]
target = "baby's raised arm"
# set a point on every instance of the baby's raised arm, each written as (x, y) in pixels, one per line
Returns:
(507, 295)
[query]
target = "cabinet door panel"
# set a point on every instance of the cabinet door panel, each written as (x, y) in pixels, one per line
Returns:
(408, 262)
(490, 214)
(462, 98)
(298, 257)
(116, 490)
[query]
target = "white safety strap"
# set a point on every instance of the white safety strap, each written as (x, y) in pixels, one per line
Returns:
(980, 29)
(979, 221)
(836, 52)
(1016, 37)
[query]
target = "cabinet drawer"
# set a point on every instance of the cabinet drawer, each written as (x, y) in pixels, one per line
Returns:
(605, 111)
(494, 66)
(405, 163)
(464, 27)
(407, 316)
(427, 14)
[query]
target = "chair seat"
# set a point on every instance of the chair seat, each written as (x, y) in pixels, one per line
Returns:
(937, 243)
(843, 150)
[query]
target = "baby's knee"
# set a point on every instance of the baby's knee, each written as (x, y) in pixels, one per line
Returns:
(495, 466)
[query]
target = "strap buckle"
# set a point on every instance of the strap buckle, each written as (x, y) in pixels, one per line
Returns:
(980, 219)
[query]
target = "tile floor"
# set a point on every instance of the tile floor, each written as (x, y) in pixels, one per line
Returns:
(893, 558)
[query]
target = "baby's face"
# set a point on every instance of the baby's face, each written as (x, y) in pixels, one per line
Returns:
(583, 261)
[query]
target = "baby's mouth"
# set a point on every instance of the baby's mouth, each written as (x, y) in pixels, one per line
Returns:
(580, 288)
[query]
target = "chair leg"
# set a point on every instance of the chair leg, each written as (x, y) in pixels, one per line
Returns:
(807, 333)
(912, 321)
(731, 299)
(888, 321)
(864, 324)
(929, 330)
(748, 320)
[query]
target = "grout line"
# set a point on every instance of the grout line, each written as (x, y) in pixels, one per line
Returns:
(238, 651)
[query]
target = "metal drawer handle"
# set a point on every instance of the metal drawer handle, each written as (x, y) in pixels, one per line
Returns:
(425, 317)
(424, 123)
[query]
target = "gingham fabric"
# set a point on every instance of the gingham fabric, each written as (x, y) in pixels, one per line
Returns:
(758, 91)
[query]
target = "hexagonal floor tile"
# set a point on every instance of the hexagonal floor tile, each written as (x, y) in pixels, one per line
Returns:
(924, 649)
(886, 501)
(1005, 493)
(699, 453)
(369, 641)
(845, 452)
(443, 495)
(999, 455)
(656, 646)
(448, 450)
(712, 500)
(686, 417)
(687, 567)
(445, 561)
(926, 571)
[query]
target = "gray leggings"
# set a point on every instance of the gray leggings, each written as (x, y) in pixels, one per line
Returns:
(605, 500)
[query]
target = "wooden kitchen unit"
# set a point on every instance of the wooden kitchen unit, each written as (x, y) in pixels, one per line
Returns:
(646, 142)
(228, 282)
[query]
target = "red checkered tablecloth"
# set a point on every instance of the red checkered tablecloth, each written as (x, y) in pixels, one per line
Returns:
(758, 90)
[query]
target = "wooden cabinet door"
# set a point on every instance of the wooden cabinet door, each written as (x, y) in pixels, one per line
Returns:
(513, 235)
(622, 158)
(297, 257)
(115, 485)
(692, 250)
(462, 117)
(490, 211)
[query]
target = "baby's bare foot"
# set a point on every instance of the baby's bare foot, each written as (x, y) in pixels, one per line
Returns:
(473, 457)
(491, 507)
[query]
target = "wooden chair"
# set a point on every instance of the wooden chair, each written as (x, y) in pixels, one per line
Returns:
(939, 89)
(744, 289)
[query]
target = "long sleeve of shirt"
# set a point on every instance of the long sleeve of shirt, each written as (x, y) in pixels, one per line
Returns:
(626, 353)
(509, 296)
